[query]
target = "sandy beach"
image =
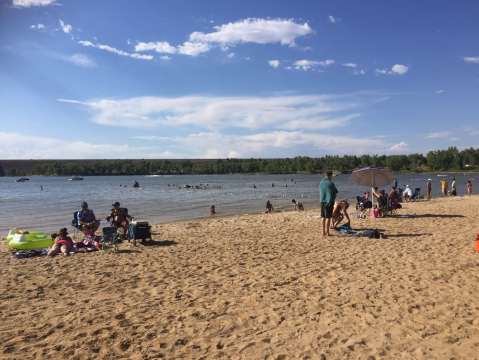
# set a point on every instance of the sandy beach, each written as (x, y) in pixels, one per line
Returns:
(257, 287)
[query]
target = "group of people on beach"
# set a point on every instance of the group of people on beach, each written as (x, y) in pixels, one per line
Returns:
(86, 221)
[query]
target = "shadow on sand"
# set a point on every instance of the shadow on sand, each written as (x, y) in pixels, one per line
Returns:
(407, 235)
(427, 216)
(159, 243)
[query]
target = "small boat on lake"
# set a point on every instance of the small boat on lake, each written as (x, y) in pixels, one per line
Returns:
(22, 179)
(75, 178)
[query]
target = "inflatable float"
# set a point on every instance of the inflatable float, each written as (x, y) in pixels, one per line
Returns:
(28, 240)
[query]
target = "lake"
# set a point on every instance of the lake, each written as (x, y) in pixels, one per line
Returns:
(165, 198)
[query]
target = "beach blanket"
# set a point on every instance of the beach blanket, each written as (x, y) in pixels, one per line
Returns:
(369, 233)
(24, 254)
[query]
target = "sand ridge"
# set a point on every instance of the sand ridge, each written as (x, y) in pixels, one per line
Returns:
(257, 287)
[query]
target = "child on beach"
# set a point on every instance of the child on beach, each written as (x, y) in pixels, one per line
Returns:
(469, 187)
(63, 243)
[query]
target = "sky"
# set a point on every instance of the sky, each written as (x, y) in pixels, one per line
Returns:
(236, 79)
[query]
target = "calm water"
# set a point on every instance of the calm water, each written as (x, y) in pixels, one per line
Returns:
(25, 205)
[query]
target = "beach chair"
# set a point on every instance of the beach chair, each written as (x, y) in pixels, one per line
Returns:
(109, 239)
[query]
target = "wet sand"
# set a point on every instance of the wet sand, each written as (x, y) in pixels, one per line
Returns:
(257, 287)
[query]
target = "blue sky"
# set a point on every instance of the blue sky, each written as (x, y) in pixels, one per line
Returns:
(209, 79)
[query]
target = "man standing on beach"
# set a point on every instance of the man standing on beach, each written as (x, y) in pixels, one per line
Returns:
(327, 196)
(429, 188)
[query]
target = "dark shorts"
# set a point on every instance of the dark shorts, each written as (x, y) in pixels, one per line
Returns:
(327, 210)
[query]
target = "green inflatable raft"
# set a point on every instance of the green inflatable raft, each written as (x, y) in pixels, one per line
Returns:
(28, 240)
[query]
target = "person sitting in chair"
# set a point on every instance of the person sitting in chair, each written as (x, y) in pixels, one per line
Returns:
(119, 218)
(87, 220)
(394, 199)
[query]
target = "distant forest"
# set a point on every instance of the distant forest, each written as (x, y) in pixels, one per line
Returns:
(439, 160)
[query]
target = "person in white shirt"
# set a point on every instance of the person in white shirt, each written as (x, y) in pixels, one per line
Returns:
(407, 193)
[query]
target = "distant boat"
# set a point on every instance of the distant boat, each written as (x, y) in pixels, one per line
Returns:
(441, 175)
(75, 178)
(22, 179)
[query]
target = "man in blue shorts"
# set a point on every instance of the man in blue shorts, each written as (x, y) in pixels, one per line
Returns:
(327, 196)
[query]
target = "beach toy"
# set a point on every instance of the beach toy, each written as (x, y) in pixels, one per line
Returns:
(477, 243)
(28, 240)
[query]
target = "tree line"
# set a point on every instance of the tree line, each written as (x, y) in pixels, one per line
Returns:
(438, 160)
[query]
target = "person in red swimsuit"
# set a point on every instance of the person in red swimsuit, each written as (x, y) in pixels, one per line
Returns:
(63, 244)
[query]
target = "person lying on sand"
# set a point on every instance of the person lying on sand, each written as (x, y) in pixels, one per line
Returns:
(62, 243)
(340, 211)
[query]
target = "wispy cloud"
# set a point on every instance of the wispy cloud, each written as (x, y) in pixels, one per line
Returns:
(81, 60)
(439, 135)
(213, 113)
(350, 65)
(274, 63)
(307, 65)
(440, 91)
(37, 27)
(66, 28)
(472, 59)
(332, 19)
(20, 146)
(31, 3)
(113, 50)
(193, 48)
(162, 47)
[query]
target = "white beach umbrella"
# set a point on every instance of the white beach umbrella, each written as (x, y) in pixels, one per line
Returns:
(372, 176)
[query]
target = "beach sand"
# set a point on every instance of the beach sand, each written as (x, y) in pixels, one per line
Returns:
(257, 287)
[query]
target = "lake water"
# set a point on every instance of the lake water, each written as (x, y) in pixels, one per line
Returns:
(164, 198)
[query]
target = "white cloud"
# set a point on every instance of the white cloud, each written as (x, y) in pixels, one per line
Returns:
(332, 19)
(193, 48)
(81, 60)
(162, 47)
(231, 55)
(399, 147)
(254, 30)
(350, 65)
(115, 50)
(37, 27)
(20, 146)
(305, 64)
(439, 135)
(359, 72)
(66, 28)
(327, 62)
(399, 69)
(440, 91)
(396, 69)
(274, 63)
(250, 30)
(472, 59)
(30, 3)
(213, 113)
(165, 57)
